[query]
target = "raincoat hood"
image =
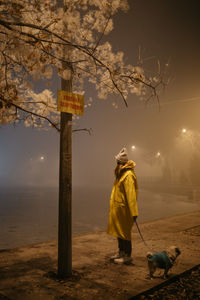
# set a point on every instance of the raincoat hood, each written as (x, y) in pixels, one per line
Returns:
(129, 165)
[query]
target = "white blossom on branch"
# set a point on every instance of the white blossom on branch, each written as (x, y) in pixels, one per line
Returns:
(33, 34)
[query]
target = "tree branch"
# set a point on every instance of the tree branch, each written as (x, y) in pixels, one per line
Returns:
(30, 113)
(83, 129)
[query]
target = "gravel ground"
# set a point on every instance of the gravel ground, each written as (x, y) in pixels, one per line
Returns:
(186, 287)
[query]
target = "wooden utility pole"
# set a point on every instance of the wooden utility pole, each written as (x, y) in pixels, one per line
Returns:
(65, 192)
(65, 187)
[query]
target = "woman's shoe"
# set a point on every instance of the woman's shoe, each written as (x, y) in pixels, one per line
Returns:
(123, 260)
(117, 256)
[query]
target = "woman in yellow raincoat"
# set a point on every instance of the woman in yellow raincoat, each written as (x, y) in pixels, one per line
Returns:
(123, 206)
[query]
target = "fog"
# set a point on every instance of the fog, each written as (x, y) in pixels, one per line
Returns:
(165, 30)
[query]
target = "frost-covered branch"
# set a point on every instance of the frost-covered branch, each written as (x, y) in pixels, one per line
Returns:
(33, 34)
(29, 114)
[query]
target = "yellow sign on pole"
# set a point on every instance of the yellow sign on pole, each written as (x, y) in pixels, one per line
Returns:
(70, 103)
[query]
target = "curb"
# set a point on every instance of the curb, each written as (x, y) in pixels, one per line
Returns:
(164, 284)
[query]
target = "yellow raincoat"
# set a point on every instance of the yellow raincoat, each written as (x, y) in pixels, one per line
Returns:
(123, 204)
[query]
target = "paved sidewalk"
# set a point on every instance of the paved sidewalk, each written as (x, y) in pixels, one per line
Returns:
(28, 273)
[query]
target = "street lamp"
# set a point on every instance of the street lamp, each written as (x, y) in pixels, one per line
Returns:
(190, 137)
(133, 147)
(158, 154)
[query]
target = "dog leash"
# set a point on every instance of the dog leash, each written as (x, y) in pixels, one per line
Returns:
(142, 237)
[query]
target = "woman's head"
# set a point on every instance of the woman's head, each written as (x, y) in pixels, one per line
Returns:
(121, 159)
(122, 156)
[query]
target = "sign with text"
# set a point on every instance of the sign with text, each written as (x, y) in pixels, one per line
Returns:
(70, 103)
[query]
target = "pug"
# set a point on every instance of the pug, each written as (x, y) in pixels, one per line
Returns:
(162, 260)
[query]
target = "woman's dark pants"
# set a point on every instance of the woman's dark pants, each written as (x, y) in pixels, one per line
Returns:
(125, 246)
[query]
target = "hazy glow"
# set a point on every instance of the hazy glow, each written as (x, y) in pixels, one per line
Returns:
(41, 157)
(175, 130)
(158, 154)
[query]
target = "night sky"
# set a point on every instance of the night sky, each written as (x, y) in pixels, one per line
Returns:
(167, 31)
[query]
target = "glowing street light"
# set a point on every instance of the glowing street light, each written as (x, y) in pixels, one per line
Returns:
(41, 157)
(158, 154)
(190, 137)
(133, 147)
